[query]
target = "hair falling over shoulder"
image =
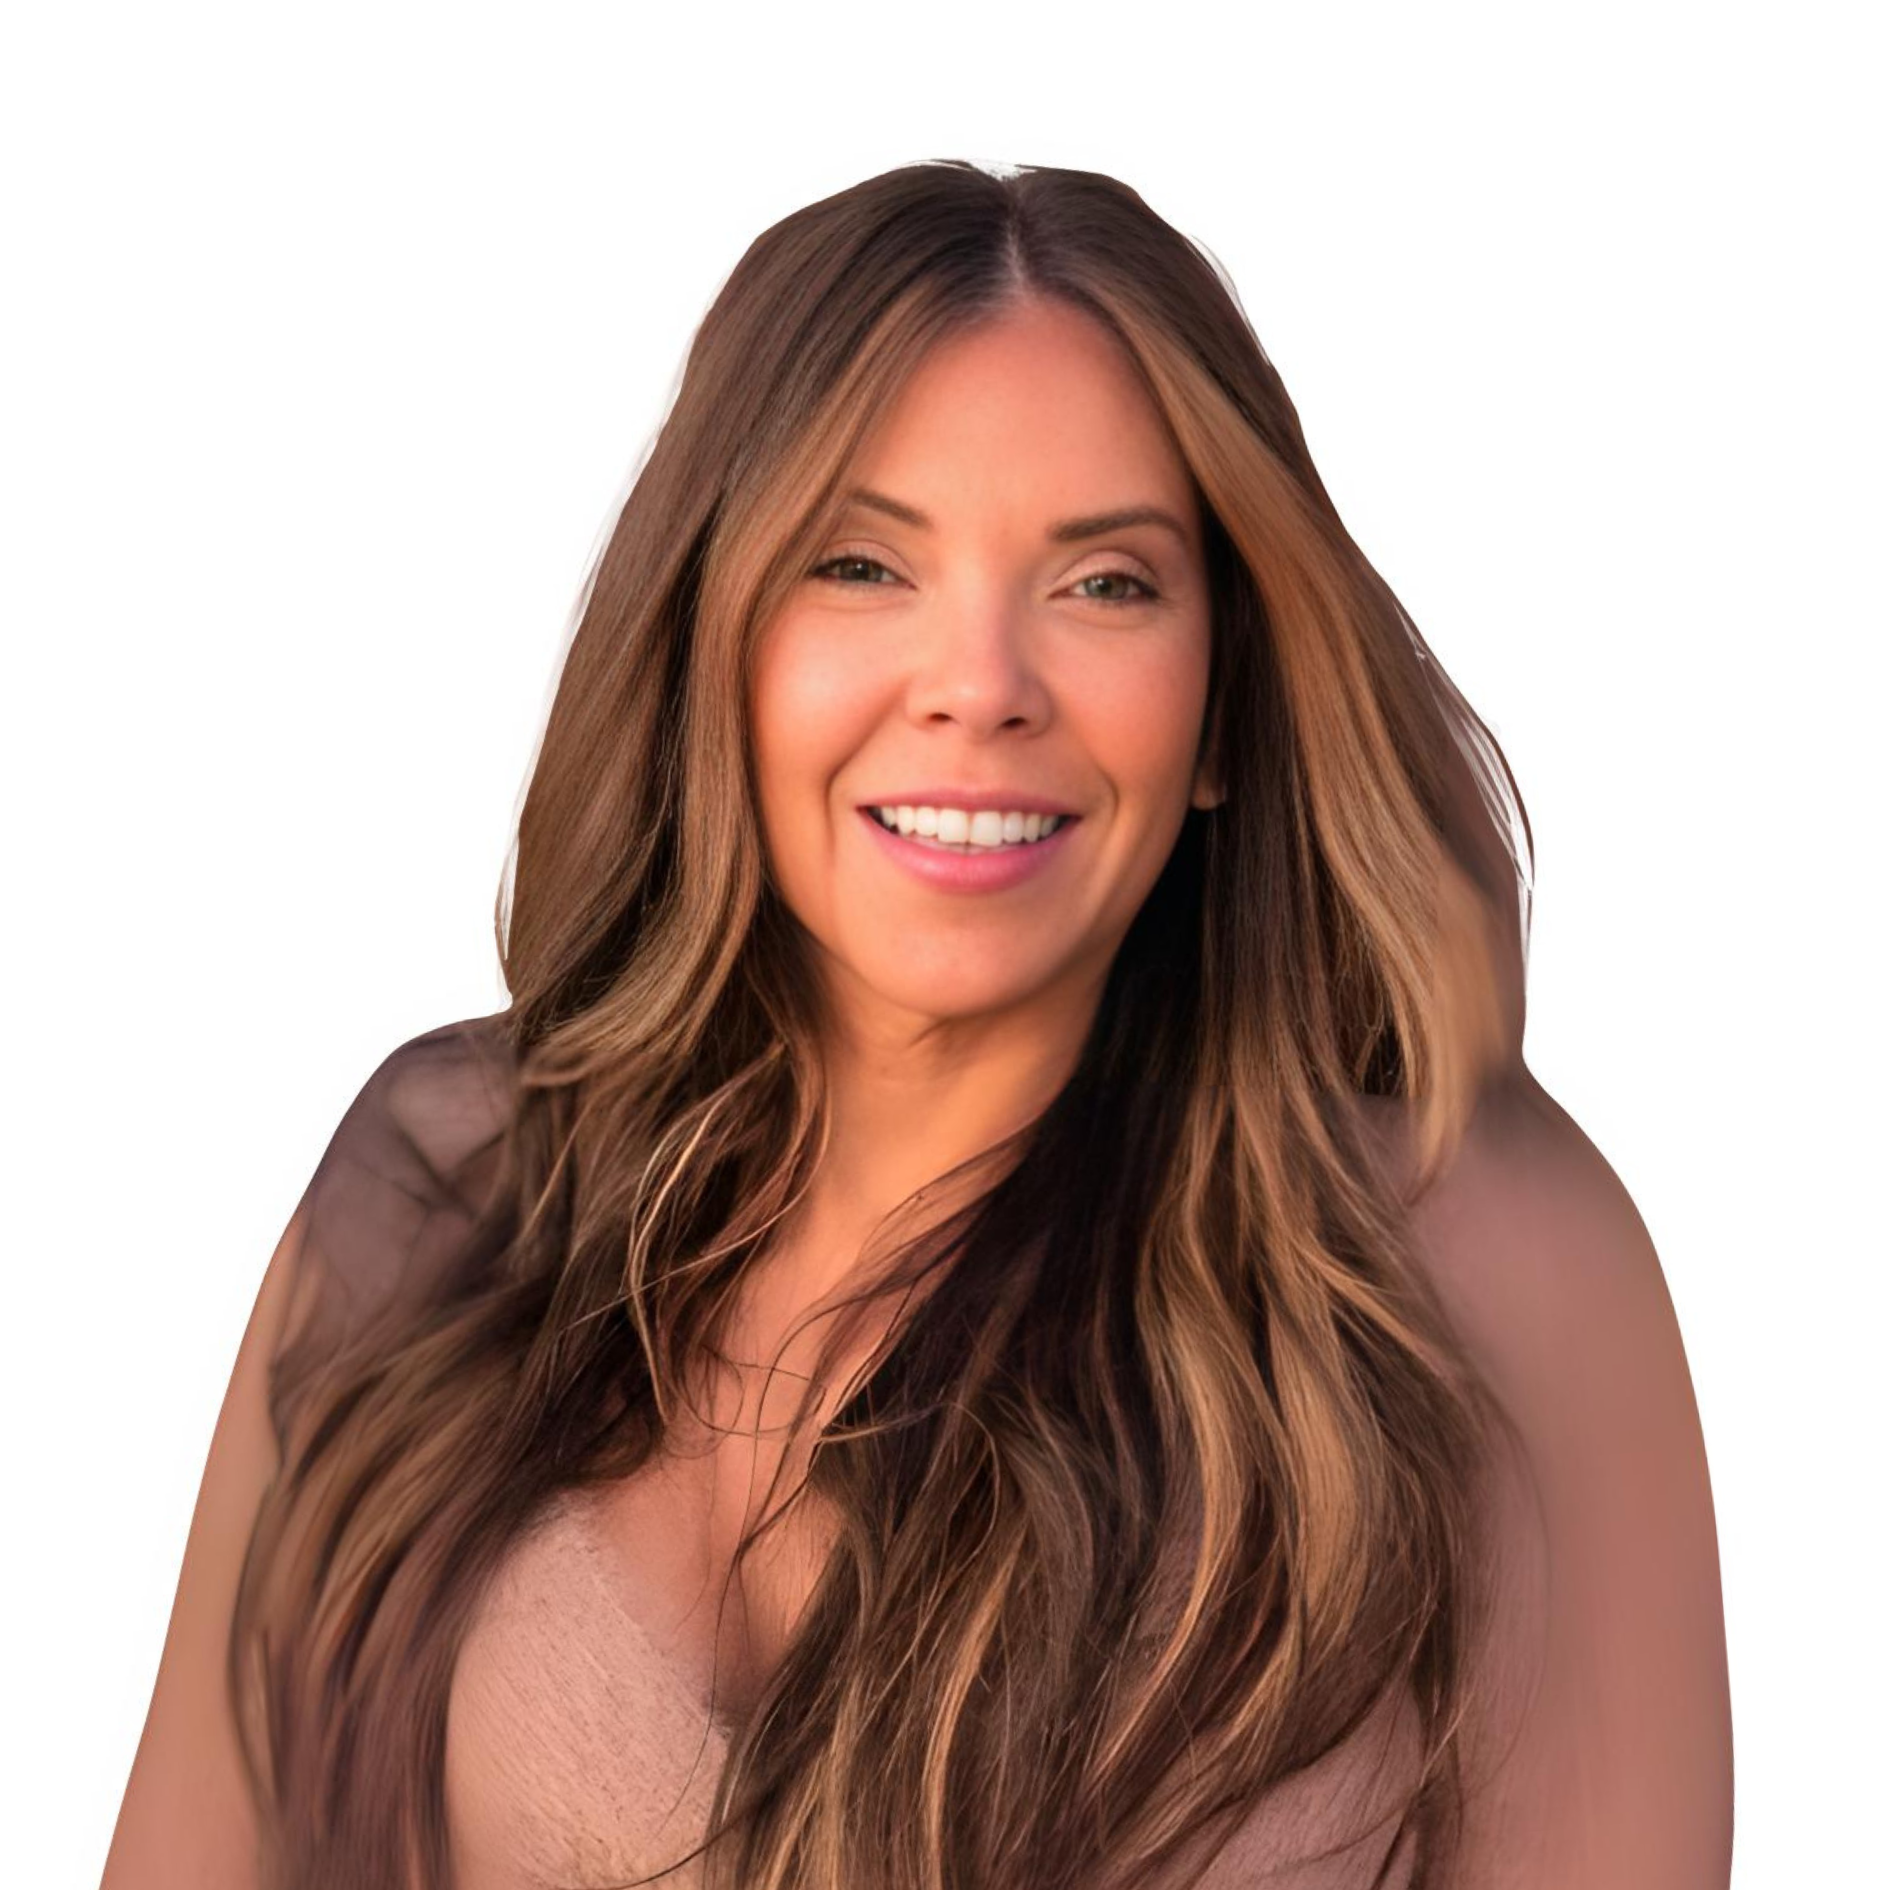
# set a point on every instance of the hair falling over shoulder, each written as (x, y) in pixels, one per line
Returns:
(1190, 1327)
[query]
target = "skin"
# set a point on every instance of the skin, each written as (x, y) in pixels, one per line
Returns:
(980, 652)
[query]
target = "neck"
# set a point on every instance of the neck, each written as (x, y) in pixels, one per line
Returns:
(910, 1098)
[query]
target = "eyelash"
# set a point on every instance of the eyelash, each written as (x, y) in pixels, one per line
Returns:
(1149, 593)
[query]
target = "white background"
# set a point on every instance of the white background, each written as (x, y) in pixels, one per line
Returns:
(332, 339)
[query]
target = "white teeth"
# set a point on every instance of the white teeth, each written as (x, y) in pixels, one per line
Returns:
(987, 827)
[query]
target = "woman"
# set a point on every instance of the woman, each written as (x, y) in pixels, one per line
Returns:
(1000, 1307)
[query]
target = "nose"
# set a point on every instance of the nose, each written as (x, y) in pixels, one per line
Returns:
(977, 669)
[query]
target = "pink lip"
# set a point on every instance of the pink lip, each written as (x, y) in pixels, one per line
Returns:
(949, 871)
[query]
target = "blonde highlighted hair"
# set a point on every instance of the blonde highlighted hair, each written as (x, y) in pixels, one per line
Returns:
(1171, 1474)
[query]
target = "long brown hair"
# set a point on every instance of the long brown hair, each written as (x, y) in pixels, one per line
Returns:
(1189, 1326)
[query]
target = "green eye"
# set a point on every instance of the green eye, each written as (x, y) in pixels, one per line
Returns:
(1148, 591)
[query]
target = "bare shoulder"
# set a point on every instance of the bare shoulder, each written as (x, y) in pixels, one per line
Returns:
(1617, 1766)
(1533, 1241)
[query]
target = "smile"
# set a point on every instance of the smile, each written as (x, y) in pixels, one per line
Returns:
(971, 862)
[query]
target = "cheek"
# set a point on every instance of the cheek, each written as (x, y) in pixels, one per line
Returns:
(1141, 715)
(807, 709)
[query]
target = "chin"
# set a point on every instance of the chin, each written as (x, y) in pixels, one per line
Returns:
(957, 995)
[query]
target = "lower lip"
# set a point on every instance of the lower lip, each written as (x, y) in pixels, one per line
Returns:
(987, 870)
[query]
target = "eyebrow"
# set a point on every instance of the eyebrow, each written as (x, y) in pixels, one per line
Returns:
(1065, 531)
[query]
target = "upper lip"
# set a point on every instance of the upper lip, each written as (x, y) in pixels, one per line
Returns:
(1005, 800)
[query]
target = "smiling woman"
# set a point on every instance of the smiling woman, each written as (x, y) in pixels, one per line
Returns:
(1000, 1308)
(982, 676)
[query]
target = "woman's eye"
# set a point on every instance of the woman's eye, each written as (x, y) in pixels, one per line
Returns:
(1148, 592)
(855, 562)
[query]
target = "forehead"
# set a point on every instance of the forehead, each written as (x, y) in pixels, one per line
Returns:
(1042, 401)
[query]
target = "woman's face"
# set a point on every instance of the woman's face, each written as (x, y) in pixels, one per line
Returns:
(984, 645)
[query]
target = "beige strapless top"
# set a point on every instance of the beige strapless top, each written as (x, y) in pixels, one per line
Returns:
(582, 1749)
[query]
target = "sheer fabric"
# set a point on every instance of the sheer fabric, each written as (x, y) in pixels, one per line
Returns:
(388, 1216)
(583, 1745)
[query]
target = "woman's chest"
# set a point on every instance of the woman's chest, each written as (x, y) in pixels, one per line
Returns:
(590, 1716)
(601, 1679)
(717, 1547)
